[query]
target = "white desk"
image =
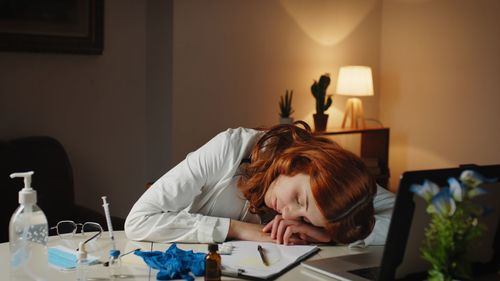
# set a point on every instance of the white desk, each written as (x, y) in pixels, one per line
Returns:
(138, 269)
(99, 248)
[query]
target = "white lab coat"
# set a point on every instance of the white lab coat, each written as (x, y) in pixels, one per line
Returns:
(194, 201)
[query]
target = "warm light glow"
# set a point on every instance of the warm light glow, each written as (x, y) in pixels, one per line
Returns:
(355, 81)
(328, 22)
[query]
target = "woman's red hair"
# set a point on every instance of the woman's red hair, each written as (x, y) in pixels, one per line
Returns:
(340, 182)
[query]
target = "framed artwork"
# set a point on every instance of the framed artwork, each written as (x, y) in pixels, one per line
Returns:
(68, 26)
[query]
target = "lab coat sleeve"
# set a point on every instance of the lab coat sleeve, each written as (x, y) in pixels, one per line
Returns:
(383, 204)
(160, 214)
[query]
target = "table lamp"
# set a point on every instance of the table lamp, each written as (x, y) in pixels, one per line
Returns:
(354, 81)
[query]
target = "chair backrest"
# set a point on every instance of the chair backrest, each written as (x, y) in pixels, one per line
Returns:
(53, 178)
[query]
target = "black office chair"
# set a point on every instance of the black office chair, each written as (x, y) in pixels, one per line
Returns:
(53, 181)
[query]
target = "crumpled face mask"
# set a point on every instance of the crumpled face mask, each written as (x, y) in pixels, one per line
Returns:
(174, 263)
(62, 257)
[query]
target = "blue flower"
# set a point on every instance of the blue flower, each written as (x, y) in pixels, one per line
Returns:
(426, 190)
(443, 204)
(473, 179)
(457, 190)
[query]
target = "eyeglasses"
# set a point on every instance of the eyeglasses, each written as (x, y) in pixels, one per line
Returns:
(67, 229)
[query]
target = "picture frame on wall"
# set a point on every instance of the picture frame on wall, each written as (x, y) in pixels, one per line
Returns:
(54, 26)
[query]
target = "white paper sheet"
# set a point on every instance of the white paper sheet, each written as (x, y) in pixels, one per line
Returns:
(245, 256)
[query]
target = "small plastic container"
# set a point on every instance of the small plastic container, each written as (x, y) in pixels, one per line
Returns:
(82, 264)
(115, 265)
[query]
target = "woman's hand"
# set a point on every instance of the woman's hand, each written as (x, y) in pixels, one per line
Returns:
(239, 230)
(295, 231)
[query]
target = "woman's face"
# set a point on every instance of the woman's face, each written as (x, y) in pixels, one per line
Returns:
(291, 196)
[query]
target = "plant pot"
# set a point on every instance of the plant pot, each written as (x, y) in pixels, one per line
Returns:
(286, 120)
(320, 121)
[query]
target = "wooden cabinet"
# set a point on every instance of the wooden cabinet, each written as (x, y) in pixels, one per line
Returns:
(374, 149)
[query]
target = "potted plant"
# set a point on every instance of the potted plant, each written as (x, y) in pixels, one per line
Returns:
(286, 108)
(454, 225)
(323, 102)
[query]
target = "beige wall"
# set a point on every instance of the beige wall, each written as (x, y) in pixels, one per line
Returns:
(103, 109)
(440, 69)
(233, 59)
(435, 67)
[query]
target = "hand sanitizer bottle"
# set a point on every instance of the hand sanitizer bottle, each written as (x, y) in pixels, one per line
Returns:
(28, 236)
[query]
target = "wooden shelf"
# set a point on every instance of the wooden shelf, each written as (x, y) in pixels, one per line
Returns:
(374, 145)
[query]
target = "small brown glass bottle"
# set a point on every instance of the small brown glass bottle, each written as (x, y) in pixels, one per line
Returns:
(212, 263)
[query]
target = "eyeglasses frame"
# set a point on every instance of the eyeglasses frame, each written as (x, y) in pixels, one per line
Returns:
(76, 228)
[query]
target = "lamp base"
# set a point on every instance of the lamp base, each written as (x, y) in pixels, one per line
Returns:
(354, 110)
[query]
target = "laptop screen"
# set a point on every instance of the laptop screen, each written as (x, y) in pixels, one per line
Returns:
(402, 260)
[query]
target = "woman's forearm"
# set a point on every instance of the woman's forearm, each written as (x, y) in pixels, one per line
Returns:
(239, 230)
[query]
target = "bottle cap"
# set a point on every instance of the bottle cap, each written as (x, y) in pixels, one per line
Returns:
(27, 195)
(82, 253)
(213, 247)
(114, 253)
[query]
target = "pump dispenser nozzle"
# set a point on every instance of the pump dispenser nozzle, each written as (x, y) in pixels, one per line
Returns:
(28, 235)
(27, 195)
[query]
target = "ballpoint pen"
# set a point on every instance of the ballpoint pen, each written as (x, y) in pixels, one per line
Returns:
(262, 255)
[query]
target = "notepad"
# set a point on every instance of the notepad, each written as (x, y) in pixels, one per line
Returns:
(280, 258)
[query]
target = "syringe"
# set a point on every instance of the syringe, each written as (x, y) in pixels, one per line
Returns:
(105, 205)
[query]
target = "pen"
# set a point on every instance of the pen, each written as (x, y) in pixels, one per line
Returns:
(262, 256)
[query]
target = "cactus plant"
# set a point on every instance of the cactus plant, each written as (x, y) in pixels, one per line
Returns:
(286, 104)
(318, 90)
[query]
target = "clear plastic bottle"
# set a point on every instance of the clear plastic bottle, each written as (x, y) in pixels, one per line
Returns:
(82, 263)
(115, 265)
(28, 235)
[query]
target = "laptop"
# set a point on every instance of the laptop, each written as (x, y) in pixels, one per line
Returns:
(400, 258)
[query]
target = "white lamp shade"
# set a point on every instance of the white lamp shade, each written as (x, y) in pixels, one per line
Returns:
(355, 81)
